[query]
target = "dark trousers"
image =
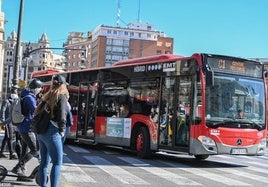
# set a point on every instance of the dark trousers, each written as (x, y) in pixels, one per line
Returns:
(8, 137)
(29, 148)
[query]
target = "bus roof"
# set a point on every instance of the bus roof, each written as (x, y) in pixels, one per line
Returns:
(155, 58)
(45, 72)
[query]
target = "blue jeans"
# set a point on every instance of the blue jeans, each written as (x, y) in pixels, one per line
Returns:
(66, 132)
(51, 148)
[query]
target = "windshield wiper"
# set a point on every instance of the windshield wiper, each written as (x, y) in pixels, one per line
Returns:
(235, 124)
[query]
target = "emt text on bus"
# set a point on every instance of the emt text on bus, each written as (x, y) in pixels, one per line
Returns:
(200, 105)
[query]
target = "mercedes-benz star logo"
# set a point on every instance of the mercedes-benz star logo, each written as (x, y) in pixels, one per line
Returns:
(239, 142)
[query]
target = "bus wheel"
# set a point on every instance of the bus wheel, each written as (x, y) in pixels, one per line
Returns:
(201, 157)
(143, 143)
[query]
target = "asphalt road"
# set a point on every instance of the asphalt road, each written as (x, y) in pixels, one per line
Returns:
(100, 166)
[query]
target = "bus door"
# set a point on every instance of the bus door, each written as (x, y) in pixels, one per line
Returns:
(174, 113)
(166, 111)
(86, 110)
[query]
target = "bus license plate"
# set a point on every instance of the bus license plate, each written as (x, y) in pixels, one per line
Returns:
(239, 151)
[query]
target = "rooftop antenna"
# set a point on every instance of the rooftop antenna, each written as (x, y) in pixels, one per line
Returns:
(118, 13)
(138, 19)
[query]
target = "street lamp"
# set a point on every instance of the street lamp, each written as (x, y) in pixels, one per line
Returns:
(17, 57)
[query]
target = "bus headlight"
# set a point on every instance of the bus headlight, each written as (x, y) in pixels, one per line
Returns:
(261, 147)
(208, 143)
(263, 143)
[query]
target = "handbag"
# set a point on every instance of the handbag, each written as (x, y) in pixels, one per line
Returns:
(40, 122)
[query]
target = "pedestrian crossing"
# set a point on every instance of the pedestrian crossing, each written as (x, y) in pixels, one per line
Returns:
(121, 170)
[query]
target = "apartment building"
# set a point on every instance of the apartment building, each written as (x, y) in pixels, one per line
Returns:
(107, 45)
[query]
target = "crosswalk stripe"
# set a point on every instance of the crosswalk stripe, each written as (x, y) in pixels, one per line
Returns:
(116, 171)
(176, 179)
(246, 174)
(261, 170)
(74, 174)
(258, 163)
(78, 149)
(208, 175)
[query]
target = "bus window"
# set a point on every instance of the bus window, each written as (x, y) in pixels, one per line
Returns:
(230, 96)
(112, 95)
(144, 95)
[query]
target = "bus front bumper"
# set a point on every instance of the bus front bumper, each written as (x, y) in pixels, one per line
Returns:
(206, 146)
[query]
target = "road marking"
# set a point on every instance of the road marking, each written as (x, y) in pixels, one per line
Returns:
(78, 149)
(174, 178)
(74, 174)
(115, 171)
(246, 174)
(205, 174)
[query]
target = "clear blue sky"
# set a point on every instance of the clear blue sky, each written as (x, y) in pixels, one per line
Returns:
(230, 27)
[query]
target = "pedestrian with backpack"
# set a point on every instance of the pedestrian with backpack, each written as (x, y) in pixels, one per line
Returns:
(5, 117)
(28, 138)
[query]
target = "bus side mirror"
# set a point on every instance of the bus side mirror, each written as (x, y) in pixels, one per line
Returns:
(209, 75)
(210, 78)
(265, 72)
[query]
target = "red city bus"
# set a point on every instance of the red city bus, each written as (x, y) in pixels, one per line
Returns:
(201, 105)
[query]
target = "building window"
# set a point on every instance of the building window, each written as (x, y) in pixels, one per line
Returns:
(117, 50)
(108, 57)
(159, 44)
(158, 52)
(117, 42)
(126, 33)
(168, 44)
(108, 49)
(126, 43)
(109, 41)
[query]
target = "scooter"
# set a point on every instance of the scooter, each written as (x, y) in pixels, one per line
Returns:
(34, 175)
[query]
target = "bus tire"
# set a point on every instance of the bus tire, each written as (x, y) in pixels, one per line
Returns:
(143, 143)
(201, 157)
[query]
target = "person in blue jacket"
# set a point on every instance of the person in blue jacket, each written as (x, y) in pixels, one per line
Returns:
(29, 104)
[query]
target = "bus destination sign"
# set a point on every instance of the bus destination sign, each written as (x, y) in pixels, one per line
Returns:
(247, 68)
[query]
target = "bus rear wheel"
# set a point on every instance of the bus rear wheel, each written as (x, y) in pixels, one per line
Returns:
(201, 157)
(143, 143)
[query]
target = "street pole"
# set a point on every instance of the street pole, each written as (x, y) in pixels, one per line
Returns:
(17, 58)
(26, 57)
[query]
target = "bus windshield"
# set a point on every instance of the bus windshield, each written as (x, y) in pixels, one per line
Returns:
(235, 102)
